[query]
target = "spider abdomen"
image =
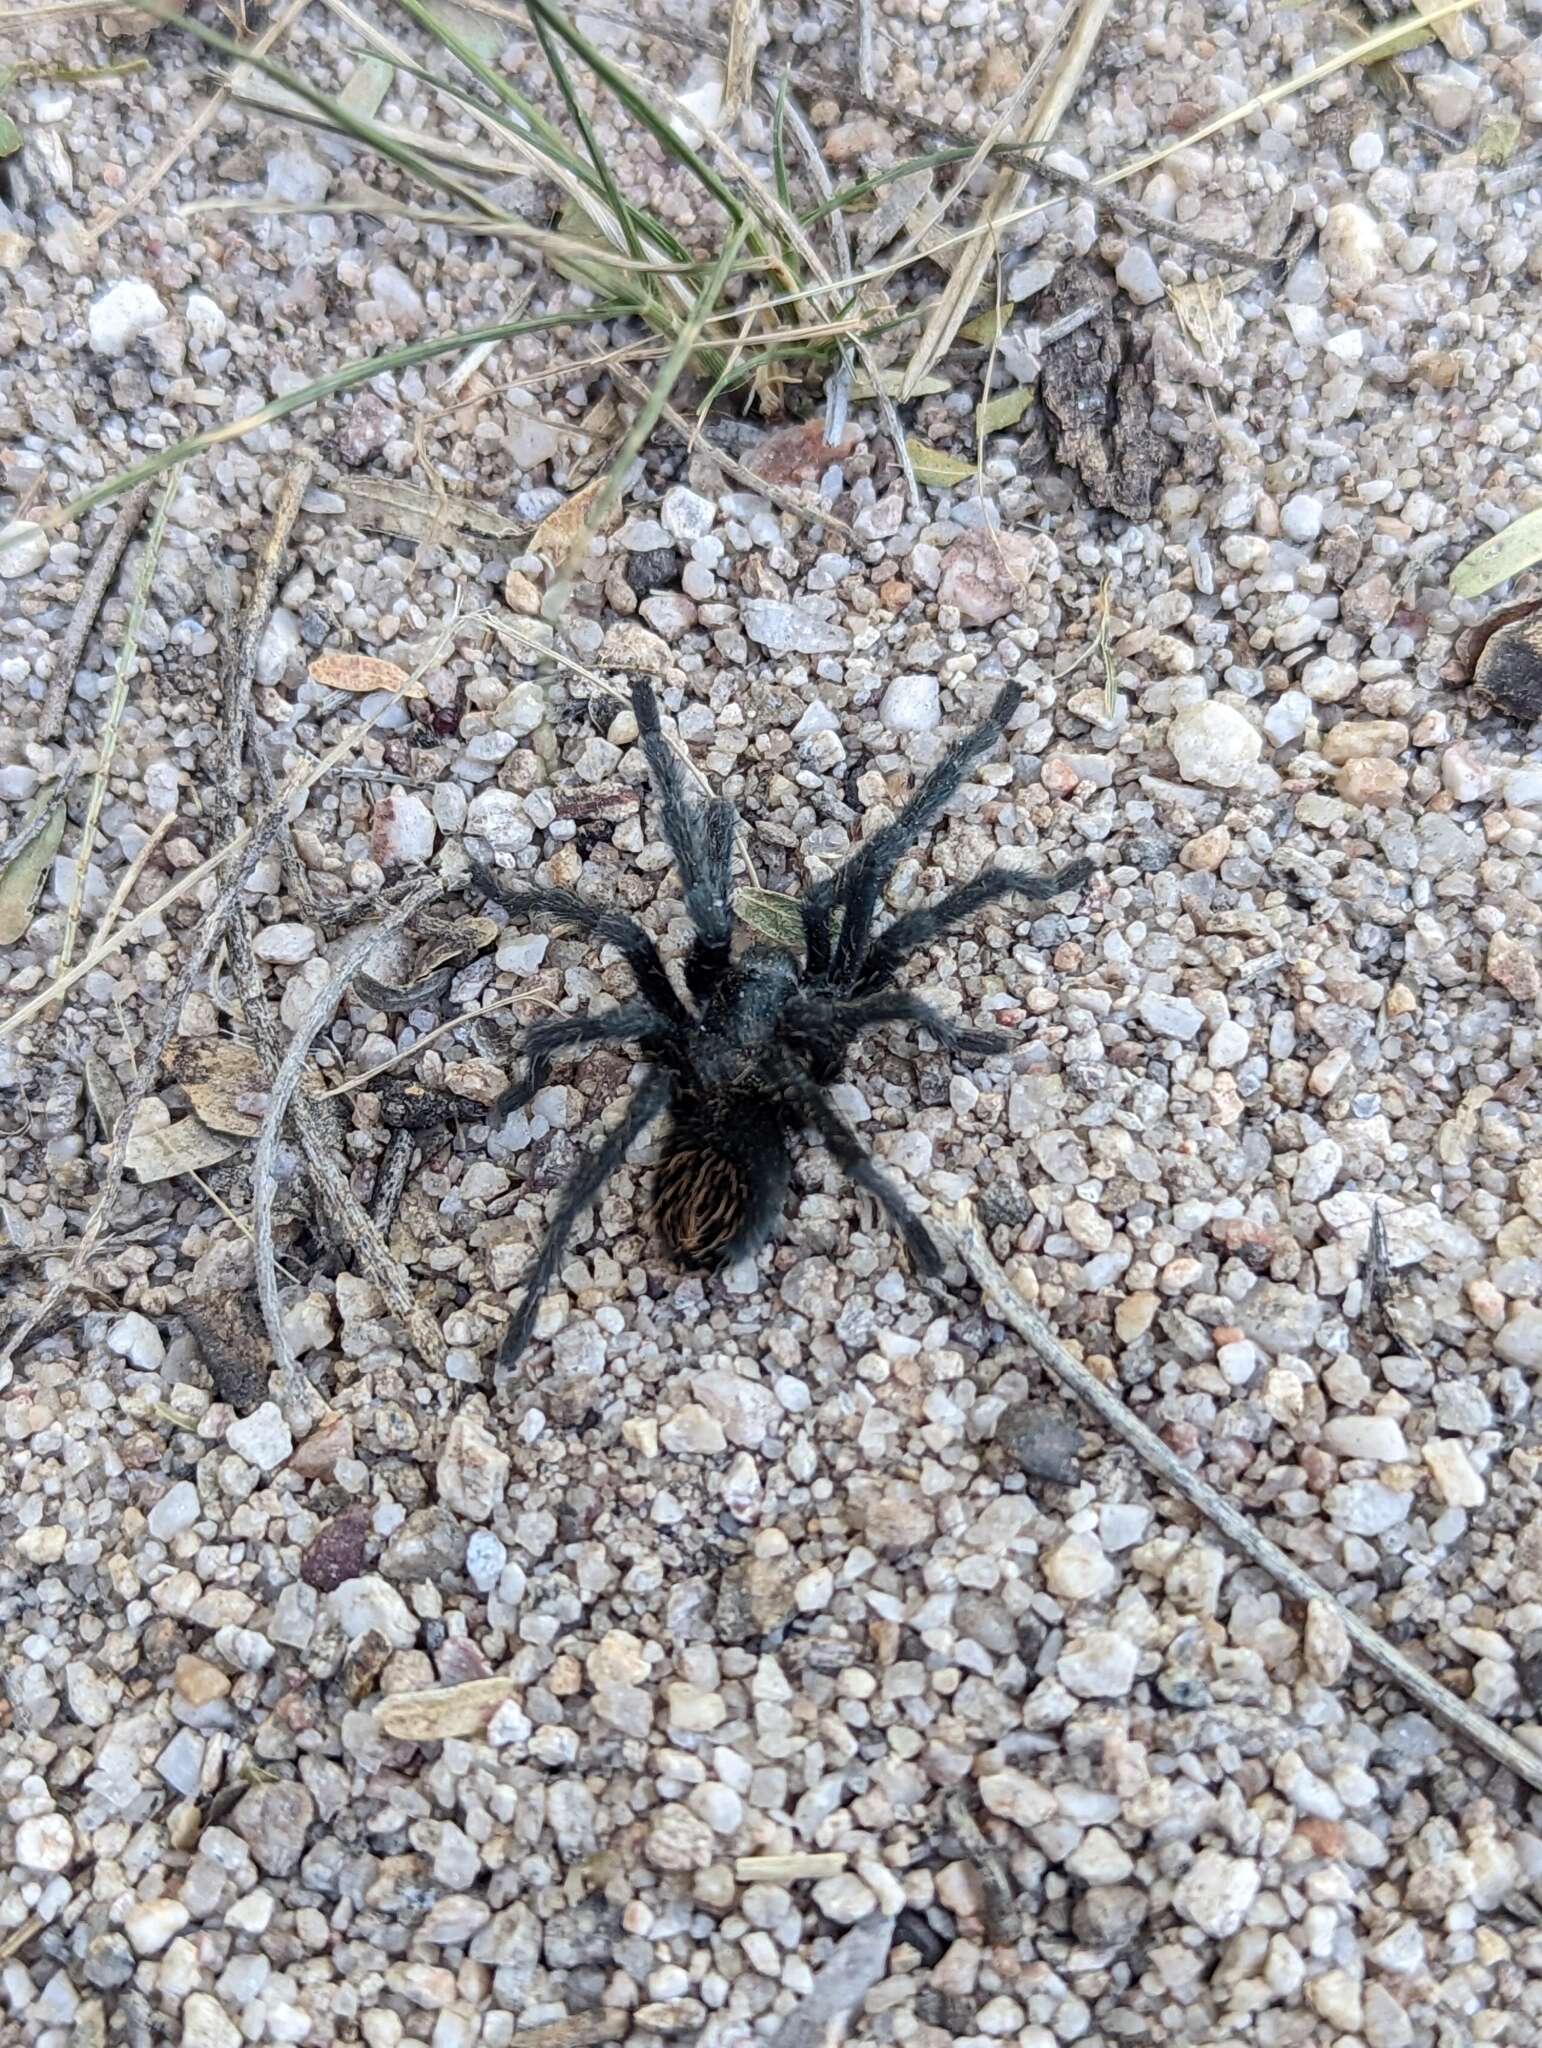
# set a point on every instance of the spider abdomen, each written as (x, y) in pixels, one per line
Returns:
(723, 1177)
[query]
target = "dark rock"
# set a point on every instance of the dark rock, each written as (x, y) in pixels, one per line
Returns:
(336, 1552)
(1044, 1442)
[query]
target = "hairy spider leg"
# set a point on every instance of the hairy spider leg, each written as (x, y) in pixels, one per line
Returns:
(539, 1042)
(857, 884)
(816, 1109)
(917, 928)
(584, 1188)
(611, 927)
(701, 838)
(824, 1030)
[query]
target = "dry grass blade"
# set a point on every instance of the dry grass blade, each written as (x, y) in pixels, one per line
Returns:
(967, 1238)
(184, 885)
(26, 859)
(128, 654)
(369, 1246)
(746, 33)
(608, 496)
(98, 578)
(331, 385)
(1006, 195)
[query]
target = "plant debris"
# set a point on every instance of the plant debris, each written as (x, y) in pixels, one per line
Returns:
(1094, 387)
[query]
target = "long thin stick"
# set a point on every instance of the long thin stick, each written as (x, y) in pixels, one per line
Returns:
(131, 875)
(368, 1244)
(968, 1241)
(128, 655)
(98, 577)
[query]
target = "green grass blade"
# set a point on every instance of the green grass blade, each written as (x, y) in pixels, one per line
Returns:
(778, 146)
(335, 381)
(571, 101)
(649, 413)
(646, 115)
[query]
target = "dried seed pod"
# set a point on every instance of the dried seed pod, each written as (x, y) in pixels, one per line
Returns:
(1508, 668)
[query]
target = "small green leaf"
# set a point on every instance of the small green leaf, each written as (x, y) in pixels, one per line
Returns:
(21, 882)
(10, 136)
(933, 466)
(1500, 557)
(1004, 410)
(890, 381)
(986, 327)
(777, 918)
(1497, 139)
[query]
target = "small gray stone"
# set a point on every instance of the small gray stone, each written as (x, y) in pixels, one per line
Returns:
(296, 178)
(1044, 1443)
(1137, 274)
(367, 1604)
(1171, 1016)
(272, 1820)
(175, 1511)
(685, 515)
(790, 629)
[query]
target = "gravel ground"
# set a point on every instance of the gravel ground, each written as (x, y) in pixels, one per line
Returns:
(802, 1563)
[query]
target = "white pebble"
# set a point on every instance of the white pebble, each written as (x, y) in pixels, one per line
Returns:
(910, 704)
(45, 1843)
(1214, 744)
(124, 312)
(284, 944)
(1301, 518)
(136, 1338)
(23, 548)
(685, 515)
(261, 1438)
(1216, 1892)
(151, 1924)
(175, 1511)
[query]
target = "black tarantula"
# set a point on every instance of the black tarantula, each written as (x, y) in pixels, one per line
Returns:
(743, 1066)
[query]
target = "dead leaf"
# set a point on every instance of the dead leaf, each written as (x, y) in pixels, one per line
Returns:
(443, 1711)
(558, 533)
(362, 673)
(382, 506)
(22, 882)
(160, 1151)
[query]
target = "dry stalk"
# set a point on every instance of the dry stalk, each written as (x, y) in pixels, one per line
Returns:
(967, 1238)
(365, 1240)
(98, 579)
(1005, 197)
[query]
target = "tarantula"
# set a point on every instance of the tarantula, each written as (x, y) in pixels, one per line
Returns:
(743, 1065)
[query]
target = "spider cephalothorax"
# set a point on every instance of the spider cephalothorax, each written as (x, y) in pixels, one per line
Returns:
(742, 1063)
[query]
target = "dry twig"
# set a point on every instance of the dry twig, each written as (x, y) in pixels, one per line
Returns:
(98, 578)
(967, 1238)
(365, 1240)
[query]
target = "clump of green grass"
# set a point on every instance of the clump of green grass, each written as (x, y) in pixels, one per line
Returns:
(768, 304)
